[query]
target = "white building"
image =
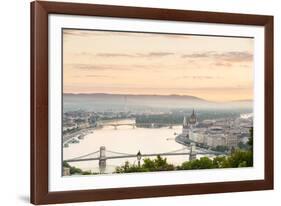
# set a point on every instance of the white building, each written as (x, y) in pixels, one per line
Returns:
(232, 141)
(216, 136)
(197, 135)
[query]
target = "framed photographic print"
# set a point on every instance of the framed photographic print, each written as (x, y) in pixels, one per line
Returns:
(131, 102)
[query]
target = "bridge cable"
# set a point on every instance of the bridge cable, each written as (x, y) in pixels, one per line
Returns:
(86, 155)
(174, 151)
(120, 153)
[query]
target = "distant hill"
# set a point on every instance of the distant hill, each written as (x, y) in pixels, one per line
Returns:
(107, 102)
(105, 95)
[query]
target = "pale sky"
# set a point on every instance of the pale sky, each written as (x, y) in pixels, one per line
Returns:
(213, 68)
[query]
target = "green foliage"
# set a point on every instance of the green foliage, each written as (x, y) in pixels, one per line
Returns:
(149, 165)
(238, 158)
(220, 162)
(127, 168)
(241, 158)
(202, 163)
(158, 164)
(65, 164)
(243, 164)
(86, 173)
(75, 170)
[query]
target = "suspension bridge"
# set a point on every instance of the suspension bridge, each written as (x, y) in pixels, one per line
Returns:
(102, 155)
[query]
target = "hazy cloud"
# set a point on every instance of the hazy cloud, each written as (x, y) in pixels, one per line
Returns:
(114, 55)
(235, 56)
(222, 64)
(225, 56)
(197, 77)
(104, 67)
(155, 54)
(98, 76)
(92, 67)
(92, 76)
(203, 77)
(245, 66)
(145, 55)
(199, 55)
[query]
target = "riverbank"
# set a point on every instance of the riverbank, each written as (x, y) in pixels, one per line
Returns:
(183, 140)
(76, 136)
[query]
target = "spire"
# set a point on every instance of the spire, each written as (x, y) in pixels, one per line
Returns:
(193, 114)
(193, 118)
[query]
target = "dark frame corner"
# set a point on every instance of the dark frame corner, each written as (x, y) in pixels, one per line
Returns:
(39, 102)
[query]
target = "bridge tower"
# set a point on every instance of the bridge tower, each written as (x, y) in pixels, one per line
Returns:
(102, 160)
(192, 154)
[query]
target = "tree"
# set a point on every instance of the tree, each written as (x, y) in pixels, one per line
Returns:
(238, 157)
(149, 165)
(202, 163)
(86, 173)
(75, 170)
(220, 162)
(65, 164)
(158, 164)
(127, 168)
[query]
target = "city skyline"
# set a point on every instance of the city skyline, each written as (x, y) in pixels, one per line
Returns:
(211, 68)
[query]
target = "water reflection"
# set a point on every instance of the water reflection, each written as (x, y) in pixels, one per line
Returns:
(125, 139)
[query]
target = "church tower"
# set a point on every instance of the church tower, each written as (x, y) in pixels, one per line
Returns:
(188, 126)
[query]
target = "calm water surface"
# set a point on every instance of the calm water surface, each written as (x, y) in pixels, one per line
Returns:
(125, 140)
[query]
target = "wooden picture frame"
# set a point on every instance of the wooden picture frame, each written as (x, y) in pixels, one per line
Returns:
(40, 193)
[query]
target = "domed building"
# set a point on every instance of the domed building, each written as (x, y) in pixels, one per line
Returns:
(193, 118)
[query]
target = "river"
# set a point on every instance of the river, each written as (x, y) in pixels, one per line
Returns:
(125, 139)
